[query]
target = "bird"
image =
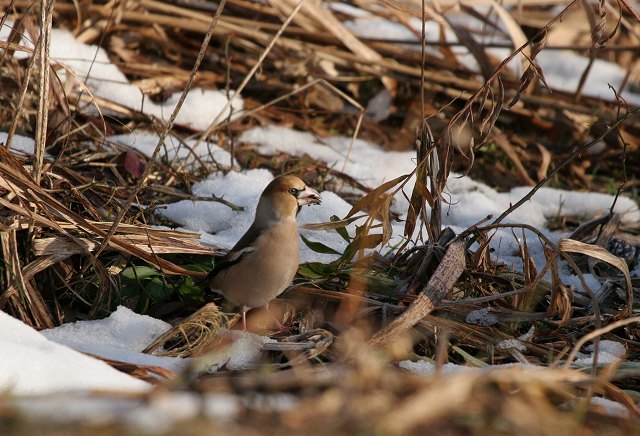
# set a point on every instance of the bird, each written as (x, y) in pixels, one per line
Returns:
(264, 261)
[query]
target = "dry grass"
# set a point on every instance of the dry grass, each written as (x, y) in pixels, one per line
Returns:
(192, 336)
(70, 225)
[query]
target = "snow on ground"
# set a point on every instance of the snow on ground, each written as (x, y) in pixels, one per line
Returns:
(174, 151)
(611, 408)
(90, 65)
(368, 163)
(243, 353)
(609, 352)
(517, 344)
(121, 336)
(43, 376)
(429, 368)
(20, 145)
(31, 364)
(51, 361)
(562, 68)
(148, 415)
(154, 414)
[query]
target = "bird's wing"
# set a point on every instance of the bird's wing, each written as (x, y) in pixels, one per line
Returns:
(244, 247)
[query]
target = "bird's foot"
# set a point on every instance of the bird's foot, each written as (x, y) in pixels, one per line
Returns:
(279, 326)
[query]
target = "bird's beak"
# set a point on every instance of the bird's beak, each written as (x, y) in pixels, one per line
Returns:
(308, 196)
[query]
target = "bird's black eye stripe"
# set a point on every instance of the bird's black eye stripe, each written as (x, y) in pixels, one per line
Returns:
(294, 192)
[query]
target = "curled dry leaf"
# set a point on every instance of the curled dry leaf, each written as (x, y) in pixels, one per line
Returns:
(573, 246)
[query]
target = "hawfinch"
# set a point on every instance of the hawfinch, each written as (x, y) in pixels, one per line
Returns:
(264, 261)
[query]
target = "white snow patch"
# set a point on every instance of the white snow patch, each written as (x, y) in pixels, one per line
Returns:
(592, 282)
(76, 407)
(272, 403)
(609, 352)
(124, 334)
(512, 344)
(427, 368)
(148, 415)
(175, 151)
(21, 145)
(469, 201)
(517, 344)
(121, 336)
(90, 65)
(156, 414)
(612, 347)
(243, 352)
(368, 163)
(562, 69)
(528, 335)
(379, 107)
(44, 363)
(31, 364)
(613, 408)
(584, 205)
(347, 9)
(221, 406)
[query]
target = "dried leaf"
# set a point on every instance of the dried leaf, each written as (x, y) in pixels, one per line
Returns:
(573, 246)
(133, 163)
(369, 200)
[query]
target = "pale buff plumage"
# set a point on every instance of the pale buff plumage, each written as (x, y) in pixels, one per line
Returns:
(264, 261)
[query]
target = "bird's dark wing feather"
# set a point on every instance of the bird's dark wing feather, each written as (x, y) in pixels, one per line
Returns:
(243, 248)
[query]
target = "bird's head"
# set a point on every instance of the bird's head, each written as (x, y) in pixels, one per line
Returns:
(283, 198)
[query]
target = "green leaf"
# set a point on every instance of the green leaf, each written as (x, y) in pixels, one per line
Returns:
(317, 270)
(139, 272)
(188, 289)
(158, 290)
(342, 231)
(319, 247)
(375, 282)
(130, 290)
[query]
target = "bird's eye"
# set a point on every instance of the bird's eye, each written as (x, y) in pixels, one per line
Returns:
(293, 191)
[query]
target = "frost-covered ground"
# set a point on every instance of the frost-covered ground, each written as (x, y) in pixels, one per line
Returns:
(51, 362)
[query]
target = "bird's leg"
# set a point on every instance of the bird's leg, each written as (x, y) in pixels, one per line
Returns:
(244, 318)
